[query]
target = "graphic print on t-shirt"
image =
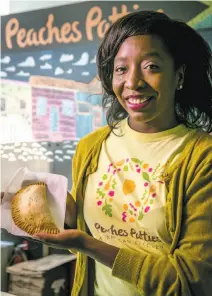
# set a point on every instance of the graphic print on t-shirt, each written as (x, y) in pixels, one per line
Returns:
(128, 177)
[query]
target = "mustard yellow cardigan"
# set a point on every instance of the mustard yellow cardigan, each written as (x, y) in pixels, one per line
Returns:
(186, 270)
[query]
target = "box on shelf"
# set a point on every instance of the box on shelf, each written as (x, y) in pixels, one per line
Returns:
(51, 275)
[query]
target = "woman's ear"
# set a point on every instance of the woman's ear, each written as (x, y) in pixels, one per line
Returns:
(180, 77)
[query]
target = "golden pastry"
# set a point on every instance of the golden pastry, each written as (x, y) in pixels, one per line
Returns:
(30, 210)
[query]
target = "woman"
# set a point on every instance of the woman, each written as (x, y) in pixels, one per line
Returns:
(142, 185)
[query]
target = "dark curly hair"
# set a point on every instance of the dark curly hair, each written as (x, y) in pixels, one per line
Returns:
(193, 104)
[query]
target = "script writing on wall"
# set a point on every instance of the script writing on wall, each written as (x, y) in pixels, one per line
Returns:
(69, 32)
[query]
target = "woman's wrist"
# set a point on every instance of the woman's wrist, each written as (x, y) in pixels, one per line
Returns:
(98, 250)
(83, 241)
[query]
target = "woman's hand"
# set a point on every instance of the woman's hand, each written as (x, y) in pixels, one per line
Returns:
(81, 242)
(67, 239)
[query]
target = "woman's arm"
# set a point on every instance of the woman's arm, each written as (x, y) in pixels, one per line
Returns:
(185, 272)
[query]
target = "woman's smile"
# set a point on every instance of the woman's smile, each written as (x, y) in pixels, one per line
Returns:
(137, 103)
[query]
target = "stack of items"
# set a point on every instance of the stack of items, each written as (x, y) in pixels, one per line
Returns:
(46, 276)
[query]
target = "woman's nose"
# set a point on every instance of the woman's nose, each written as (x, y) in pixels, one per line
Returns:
(135, 81)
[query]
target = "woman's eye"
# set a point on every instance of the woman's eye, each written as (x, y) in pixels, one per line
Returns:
(120, 69)
(152, 67)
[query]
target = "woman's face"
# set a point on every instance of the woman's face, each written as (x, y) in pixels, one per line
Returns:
(145, 81)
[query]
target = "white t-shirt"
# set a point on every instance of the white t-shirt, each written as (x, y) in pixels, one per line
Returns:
(125, 198)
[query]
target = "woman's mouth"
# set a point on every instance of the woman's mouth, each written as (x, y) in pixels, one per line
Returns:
(138, 103)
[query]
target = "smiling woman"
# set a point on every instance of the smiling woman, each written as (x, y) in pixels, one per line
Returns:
(142, 185)
(144, 83)
(168, 47)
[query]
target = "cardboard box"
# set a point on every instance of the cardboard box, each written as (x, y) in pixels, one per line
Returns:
(48, 276)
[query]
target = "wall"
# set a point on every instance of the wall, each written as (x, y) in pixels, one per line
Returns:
(28, 5)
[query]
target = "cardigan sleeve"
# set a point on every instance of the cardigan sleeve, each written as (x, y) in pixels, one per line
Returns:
(188, 270)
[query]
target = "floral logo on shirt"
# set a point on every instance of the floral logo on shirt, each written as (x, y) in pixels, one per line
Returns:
(132, 210)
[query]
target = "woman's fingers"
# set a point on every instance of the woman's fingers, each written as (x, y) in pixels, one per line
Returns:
(45, 237)
(52, 240)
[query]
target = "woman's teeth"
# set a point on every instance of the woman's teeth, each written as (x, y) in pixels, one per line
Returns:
(138, 101)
